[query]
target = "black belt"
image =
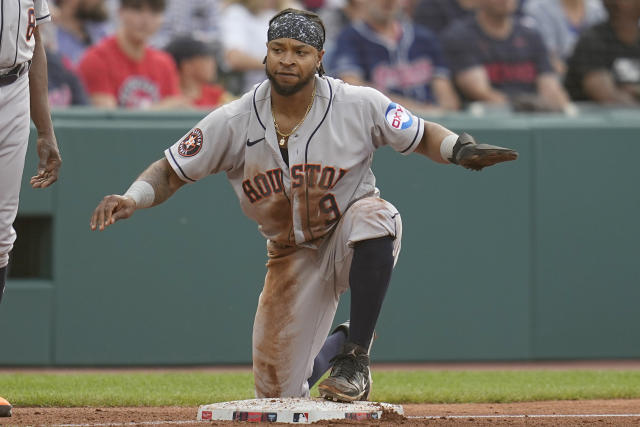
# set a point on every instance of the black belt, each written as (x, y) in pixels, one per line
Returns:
(14, 74)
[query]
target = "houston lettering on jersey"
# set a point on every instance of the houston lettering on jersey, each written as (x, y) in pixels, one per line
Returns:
(265, 184)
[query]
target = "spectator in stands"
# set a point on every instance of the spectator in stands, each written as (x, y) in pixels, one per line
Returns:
(396, 57)
(243, 25)
(496, 59)
(123, 71)
(561, 22)
(605, 66)
(200, 18)
(65, 88)
(336, 18)
(437, 15)
(198, 72)
(80, 24)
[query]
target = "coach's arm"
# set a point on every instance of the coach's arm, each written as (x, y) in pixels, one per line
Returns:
(47, 146)
(155, 185)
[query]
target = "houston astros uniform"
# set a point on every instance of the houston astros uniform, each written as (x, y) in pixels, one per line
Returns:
(311, 211)
(18, 20)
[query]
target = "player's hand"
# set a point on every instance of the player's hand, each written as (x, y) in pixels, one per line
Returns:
(50, 161)
(470, 155)
(111, 209)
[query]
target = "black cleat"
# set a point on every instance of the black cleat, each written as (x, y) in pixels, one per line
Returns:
(350, 378)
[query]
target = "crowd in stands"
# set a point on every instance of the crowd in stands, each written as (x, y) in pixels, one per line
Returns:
(429, 55)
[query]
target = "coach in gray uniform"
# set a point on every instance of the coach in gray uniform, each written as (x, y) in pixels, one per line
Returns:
(23, 94)
(297, 150)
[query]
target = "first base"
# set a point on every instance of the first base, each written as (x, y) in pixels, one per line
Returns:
(294, 410)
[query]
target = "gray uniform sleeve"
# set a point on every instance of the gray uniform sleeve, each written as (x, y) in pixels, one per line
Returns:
(214, 145)
(391, 123)
(42, 11)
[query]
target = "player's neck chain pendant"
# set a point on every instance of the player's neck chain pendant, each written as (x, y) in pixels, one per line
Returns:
(284, 136)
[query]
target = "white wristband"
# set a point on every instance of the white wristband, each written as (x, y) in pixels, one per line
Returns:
(143, 194)
(446, 146)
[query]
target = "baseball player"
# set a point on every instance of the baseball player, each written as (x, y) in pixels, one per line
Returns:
(23, 94)
(297, 149)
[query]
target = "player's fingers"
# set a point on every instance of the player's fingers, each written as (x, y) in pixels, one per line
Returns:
(48, 179)
(121, 214)
(108, 212)
(99, 217)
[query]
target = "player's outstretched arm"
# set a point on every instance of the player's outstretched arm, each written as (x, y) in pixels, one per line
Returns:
(155, 185)
(443, 146)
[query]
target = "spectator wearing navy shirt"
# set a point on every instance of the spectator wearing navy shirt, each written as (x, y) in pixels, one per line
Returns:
(400, 59)
(437, 15)
(496, 59)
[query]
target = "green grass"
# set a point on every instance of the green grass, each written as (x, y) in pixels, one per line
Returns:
(195, 388)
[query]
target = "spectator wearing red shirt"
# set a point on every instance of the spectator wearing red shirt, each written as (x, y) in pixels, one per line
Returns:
(197, 68)
(123, 71)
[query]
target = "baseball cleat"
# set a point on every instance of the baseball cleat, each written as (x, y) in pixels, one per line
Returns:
(345, 326)
(5, 407)
(350, 378)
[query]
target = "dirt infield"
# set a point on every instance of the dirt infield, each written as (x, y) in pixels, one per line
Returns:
(564, 413)
(553, 413)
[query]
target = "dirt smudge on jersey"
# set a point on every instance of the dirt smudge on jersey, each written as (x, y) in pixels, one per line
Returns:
(274, 320)
(278, 219)
(373, 209)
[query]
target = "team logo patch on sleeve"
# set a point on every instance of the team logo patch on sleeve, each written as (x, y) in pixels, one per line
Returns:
(398, 117)
(191, 144)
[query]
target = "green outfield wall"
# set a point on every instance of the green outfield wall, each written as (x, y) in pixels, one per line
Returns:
(535, 259)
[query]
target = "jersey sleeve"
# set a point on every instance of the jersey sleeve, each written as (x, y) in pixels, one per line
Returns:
(214, 145)
(42, 11)
(391, 123)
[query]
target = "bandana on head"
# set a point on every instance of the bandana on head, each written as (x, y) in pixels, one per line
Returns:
(298, 27)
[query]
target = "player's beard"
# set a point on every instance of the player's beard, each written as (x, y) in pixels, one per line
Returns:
(289, 89)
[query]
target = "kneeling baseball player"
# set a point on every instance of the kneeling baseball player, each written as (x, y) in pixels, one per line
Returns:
(297, 150)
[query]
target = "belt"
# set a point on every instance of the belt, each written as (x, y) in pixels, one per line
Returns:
(15, 73)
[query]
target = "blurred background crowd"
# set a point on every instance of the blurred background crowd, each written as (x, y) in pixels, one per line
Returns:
(432, 56)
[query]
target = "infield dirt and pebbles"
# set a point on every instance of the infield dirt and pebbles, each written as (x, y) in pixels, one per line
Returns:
(560, 413)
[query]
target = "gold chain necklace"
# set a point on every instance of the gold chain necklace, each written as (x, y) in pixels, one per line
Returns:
(295, 128)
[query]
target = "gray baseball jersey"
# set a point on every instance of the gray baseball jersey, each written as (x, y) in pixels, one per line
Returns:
(329, 156)
(18, 21)
(311, 211)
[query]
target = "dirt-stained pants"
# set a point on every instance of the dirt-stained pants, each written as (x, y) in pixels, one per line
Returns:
(300, 297)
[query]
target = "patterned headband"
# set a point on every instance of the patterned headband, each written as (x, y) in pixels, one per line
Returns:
(298, 27)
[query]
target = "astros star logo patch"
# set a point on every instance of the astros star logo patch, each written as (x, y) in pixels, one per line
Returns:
(191, 144)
